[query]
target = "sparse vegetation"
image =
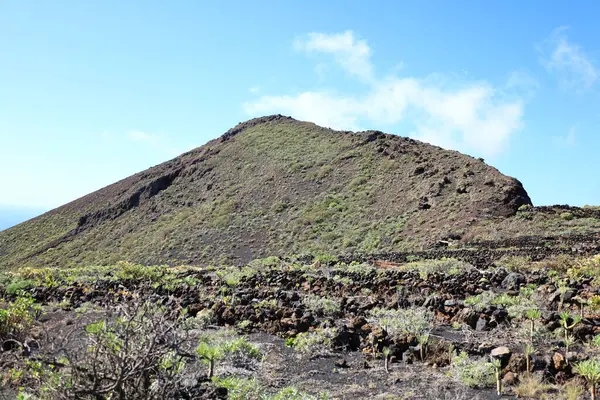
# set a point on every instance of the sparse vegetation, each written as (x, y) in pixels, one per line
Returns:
(473, 373)
(330, 312)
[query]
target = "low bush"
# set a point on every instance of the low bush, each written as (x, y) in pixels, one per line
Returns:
(473, 373)
(313, 343)
(321, 305)
(17, 317)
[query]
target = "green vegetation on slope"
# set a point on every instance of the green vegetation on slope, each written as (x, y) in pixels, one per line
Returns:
(277, 186)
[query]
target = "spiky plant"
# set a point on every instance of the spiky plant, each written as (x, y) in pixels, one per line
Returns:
(564, 321)
(423, 339)
(532, 315)
(451, 353)
(209, 354)
(386, 358)
(569, 340)
(528, 350)
(498, 367)
(590, 370)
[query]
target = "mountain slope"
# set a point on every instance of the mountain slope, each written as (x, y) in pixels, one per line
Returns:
(273, 186)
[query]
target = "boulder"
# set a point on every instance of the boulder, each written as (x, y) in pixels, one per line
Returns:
(482, 325)
(509, 379)
(559, 361)
(513, 281)
(501, 353)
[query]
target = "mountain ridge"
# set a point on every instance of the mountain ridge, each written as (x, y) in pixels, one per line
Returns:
(272, 186)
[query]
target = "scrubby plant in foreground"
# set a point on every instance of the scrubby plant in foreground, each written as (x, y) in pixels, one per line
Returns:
(16, 318)
(139, 353)
(590, 370)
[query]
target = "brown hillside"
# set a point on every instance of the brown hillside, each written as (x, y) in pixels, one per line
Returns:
(274, 186)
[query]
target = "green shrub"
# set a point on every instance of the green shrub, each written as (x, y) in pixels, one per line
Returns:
(213, 348)
(425, 268)
(567, 216)
(241, 388)
(325, 259)
(232, 276)
(408, 322)
(292, 393)
(136, 272)
(18, 316)
(250, 389)
(314, 342)
(473, 373)
(19, 285)
(321, 305)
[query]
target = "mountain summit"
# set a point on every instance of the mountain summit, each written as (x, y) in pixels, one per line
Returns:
(273, 186)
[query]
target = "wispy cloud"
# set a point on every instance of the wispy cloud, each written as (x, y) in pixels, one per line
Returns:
(567, 140)
(153, 141)
(574, 69)
(254, 89)
(352, 54)
(468, 116)
(523, 83)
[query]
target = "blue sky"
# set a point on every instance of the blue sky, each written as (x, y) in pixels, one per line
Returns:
(91, 92)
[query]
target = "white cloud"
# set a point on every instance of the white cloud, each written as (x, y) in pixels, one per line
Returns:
(350, 53)
(568, 61)
(254, 89)
(472, 116)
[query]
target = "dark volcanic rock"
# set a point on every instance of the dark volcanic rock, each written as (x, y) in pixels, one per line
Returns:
(513, 281)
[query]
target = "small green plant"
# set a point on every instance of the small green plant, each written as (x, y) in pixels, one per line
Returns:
(572, 390)
(417, 322)
(321, 305)
(451, 353)
(313, 342)
(292, 393)
(497, 368)
(569, 340)
(19, 285)
(232, 276)
(240, 388)
(590, 371)
(480, 301)
(567, 216)
(528, 350)
(473, 373)
(423, 340)
(532, 315)
(426, 268)
(214, 348)
(18, 316)
(210, 354)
